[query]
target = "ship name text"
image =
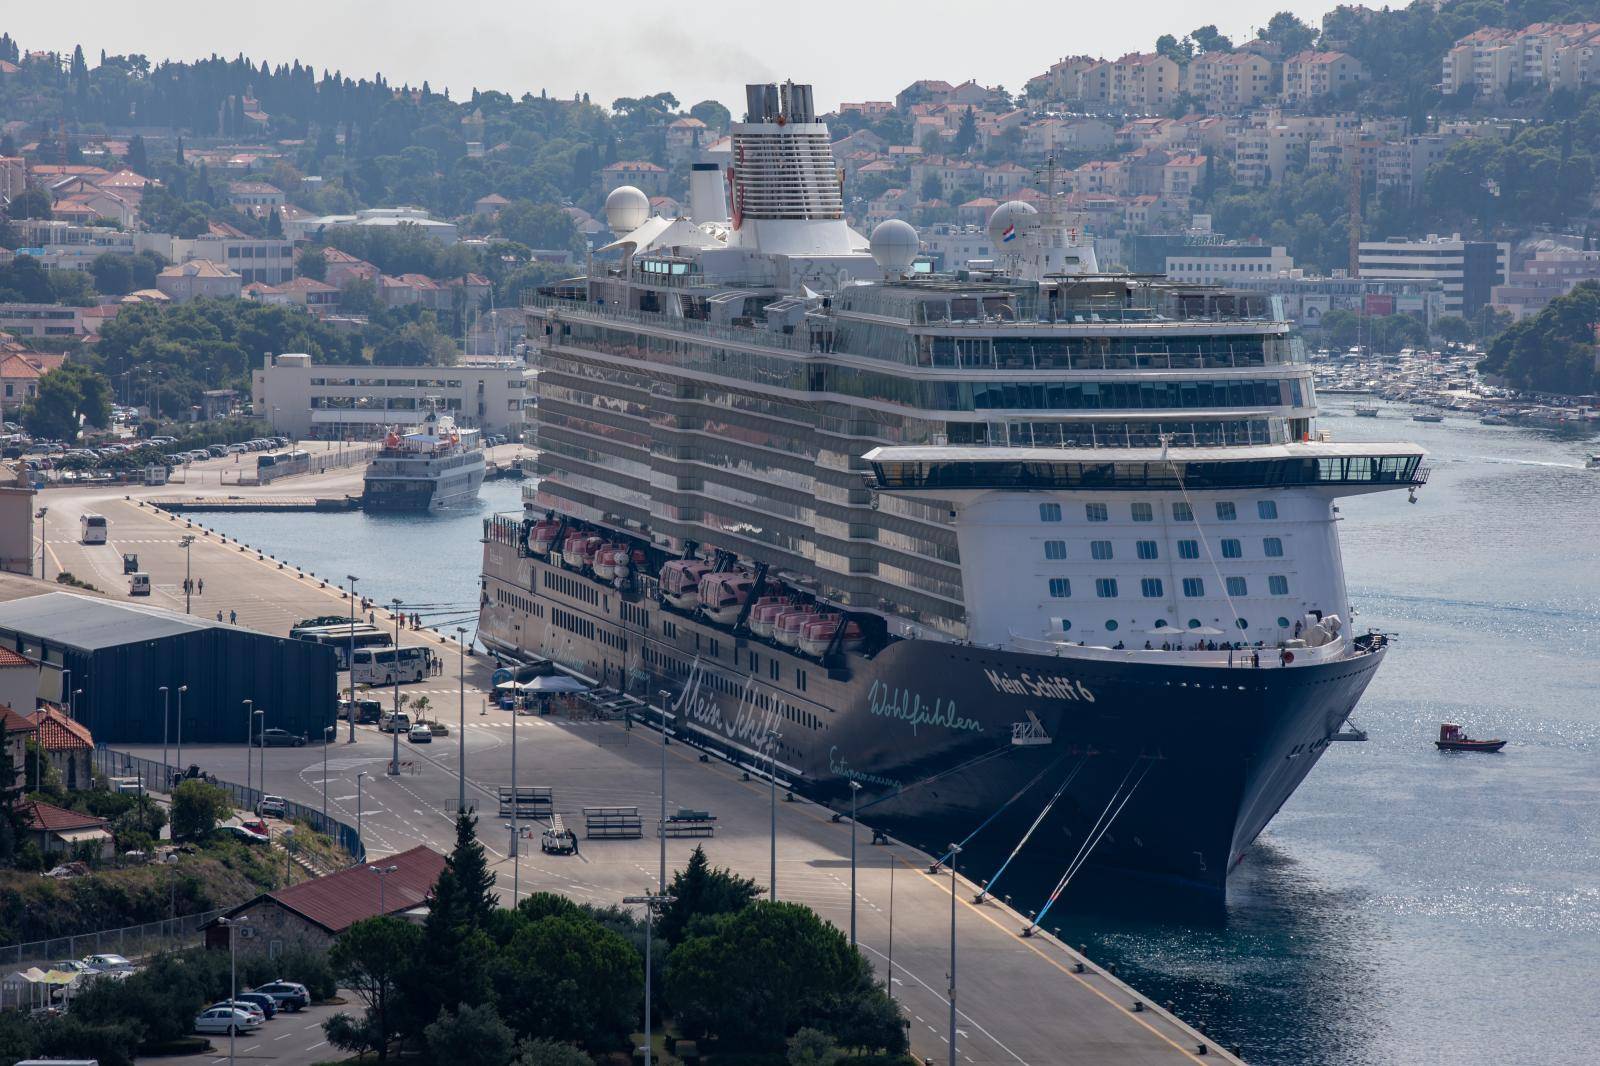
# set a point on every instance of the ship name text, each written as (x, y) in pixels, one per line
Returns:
(1050, 687)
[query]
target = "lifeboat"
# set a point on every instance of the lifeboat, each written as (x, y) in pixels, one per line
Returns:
(572, 549)
(765, 613)
(605, 561)
(680, 582)
(817, 634)
(1453, 738)
(723, 595)
(542, 536)
(786, 630)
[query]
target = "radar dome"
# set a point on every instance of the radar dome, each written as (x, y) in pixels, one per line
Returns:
(1011, 220)
(626, 209)
(895, 245)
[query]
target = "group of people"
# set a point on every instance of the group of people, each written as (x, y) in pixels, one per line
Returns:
(196, 585)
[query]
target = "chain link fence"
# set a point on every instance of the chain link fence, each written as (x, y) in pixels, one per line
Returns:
(131, 941)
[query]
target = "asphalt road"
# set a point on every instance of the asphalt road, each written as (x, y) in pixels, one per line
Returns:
(286, 1040)
(1020, 1000)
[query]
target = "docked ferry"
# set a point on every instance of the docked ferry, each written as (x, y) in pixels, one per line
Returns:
(1028, 553)
(435, 466)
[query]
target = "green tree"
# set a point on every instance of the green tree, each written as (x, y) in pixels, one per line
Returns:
(415, 344)
(1288, 32)
(812, 1047)
(1179, 52)
(1207, 39)
(561, 974)
(539, 1051)
(700, 890)
(138, 156)
(69, 397)
(312, 263)
(197, 808)
(32, 202)
(539, 226)
(472, 1034)
(1552, 351)
(714, 115)
(456, 948)
(966, 133)
(117, 275)
(376, 958)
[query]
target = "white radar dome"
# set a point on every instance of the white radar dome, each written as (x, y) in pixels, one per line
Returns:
(1010, 222)
(895, 245)
(626, 209)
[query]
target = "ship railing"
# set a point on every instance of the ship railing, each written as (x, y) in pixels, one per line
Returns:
(1277, 655)
(799, 341)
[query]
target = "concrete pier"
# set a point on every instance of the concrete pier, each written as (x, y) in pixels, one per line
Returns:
(1020, 1000)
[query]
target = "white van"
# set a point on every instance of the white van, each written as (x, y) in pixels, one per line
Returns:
(139, 585)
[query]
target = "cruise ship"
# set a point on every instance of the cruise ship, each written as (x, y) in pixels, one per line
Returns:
(1029, 555)
(435, 466)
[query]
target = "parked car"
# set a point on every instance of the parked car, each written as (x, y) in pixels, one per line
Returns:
(421, 733)
(273, 807)
(256, 1013)
(225, 1020)
(239, 832)
(217, 451)
(366, 710)
(290, 996)
(268, 1005)
(281, 738)
(106, 963)
(395, 723)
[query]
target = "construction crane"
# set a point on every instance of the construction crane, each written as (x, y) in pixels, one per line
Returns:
(1354, 208)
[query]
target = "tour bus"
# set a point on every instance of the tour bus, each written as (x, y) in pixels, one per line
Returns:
(382, 666)
(341, 637)
(92, 529)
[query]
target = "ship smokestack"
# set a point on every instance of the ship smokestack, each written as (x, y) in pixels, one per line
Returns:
(707, 200)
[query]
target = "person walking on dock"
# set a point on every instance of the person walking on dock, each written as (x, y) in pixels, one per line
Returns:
(200, 585)
(233, 618)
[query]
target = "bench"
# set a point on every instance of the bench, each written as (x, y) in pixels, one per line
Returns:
(612, 823)
(529, 801)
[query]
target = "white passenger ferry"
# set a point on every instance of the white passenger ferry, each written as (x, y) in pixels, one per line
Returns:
(438, 465)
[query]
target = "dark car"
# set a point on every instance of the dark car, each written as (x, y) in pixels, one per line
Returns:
(367, 711)
(268, 1005)
(281, 738)
(290, 996)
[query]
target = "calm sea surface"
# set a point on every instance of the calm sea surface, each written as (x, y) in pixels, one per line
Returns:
(1406, 906)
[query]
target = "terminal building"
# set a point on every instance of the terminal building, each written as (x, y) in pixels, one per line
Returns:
(1468, 270)
(320, 401)
(109, 661)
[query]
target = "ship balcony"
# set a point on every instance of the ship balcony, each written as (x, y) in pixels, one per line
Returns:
(1206, 652)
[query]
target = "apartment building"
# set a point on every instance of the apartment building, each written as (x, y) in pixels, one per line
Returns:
(1143, 82)
(1557, 55)
(1263, 150)
(254, 259)
(1223, 264)
(1228, 82)
(1403, 164)
(1552, 272)
(1309, 76)
(68, 245)
(1467, 270)
(322, 401)
(42, 320)
(198, 278)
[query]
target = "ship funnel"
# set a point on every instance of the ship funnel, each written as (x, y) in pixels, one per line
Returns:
(707, 200)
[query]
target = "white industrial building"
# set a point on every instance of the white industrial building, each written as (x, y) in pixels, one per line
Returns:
(321, 401)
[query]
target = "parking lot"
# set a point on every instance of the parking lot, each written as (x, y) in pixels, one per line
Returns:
(293, 1039)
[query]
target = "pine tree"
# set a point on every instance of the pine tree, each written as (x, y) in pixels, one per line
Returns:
(701, 889)
(138, 157)
(180, 151)
(470, 868)
(274, 224)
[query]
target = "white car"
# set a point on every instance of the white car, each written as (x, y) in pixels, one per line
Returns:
(225, 1020)
(105, 963)
(257, 1015)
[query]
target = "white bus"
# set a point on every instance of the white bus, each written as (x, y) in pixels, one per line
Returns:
(92, 529)
(381, 666)
(341, 637)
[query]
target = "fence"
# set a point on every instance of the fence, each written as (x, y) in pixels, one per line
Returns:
(157, 776)
(131, 941)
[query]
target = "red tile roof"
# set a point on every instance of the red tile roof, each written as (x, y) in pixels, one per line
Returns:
(339, 900)
(59, 733)
(11, 658)
(47, 818)
(12, 722)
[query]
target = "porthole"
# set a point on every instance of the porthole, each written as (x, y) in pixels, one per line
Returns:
(1111, 625)
(1283, 623)
(1242, 623)
(1194, 623)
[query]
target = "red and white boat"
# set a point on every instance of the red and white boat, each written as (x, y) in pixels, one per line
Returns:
(606, 559)
(786, 630)
(680, 582)
(723, 595)
(543, 536)
(765, 614)
(1453, 738)
(817, 634)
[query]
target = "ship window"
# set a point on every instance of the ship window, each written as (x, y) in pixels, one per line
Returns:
(1105, 588)
(1100, 549)
(1143, 512)
(1283, 623)
(772, 667)
(1049, 512)
(1111, 624)
(1066, 624)
(800, 680)
(1231, 549)
(1188, 549)
(1242, 623)
(1194, 623)
(1272, 547)
(1182, 512)
(1096, 512)
(1060, 588)
(1194, 587)
(1267, 508)
(1055, 549)
(1278, 585)
(1151, 588)
(1148, 549)
(1226, 511)
(1236, 587)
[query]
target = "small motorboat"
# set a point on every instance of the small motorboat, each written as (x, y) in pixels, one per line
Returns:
(1427, 418)
(1451, 738)
(1366, 412)
(1593, 463)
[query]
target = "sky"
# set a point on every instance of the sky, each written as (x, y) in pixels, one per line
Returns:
(860, 50)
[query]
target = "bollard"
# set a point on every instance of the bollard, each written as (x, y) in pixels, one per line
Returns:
(1138, 1006)
(788, 797)
(1077, 967)
(1199, 1049)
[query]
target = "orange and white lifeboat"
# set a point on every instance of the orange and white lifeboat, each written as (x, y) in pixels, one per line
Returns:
(542, 536)
(786, 630)
(605, 561)
(765, 613)
(680, 582)
(723, 595)
(817, 634)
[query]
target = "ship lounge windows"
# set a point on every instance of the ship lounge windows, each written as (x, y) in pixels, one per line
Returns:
(1148, 549)
(1105, 588)
(1278, 585)
(1055, 549)
(1100, 549)
(1143, 512)
(1150, 588)
(1237, 587)
(1097, 512)
(1188, 549)
(1060, 588)
(1272, 547)
(1194, 587)
(1182, 512)
(1231, 549)
(1049, 512)
(1267, 509)
(1226, 512)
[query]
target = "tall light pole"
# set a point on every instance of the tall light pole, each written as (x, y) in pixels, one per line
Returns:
(394, 722)
(650, 905)
(661, 828)
(855, 790)
(165, 717)
(516, 804)
(351, 660)
(39, 514)
(382, 872)
(233, 981)
(188, 582)
(955, 849)
(328, 733)
(261, 743)
(461, 790)
(888, 985)
(359, 784)
(249, 740)
(773, 736)
(181, 690)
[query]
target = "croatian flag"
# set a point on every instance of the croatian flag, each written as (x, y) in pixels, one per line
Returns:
(1009, 233)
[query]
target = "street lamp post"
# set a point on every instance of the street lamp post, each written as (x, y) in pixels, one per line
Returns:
(351, 660)
(188, 583)
(461, 790)
(650, 905)
(181, 690)
(360, 783)
(773, 736)
(955, 849)
(516, 803)
(888, 985)
(855, 790)
(249, 739)
(233, 981)
(382, 872)
(39, 514)
(328, 733)
(394, 723)
(261, 745)
(661, 829)
(164, 718)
